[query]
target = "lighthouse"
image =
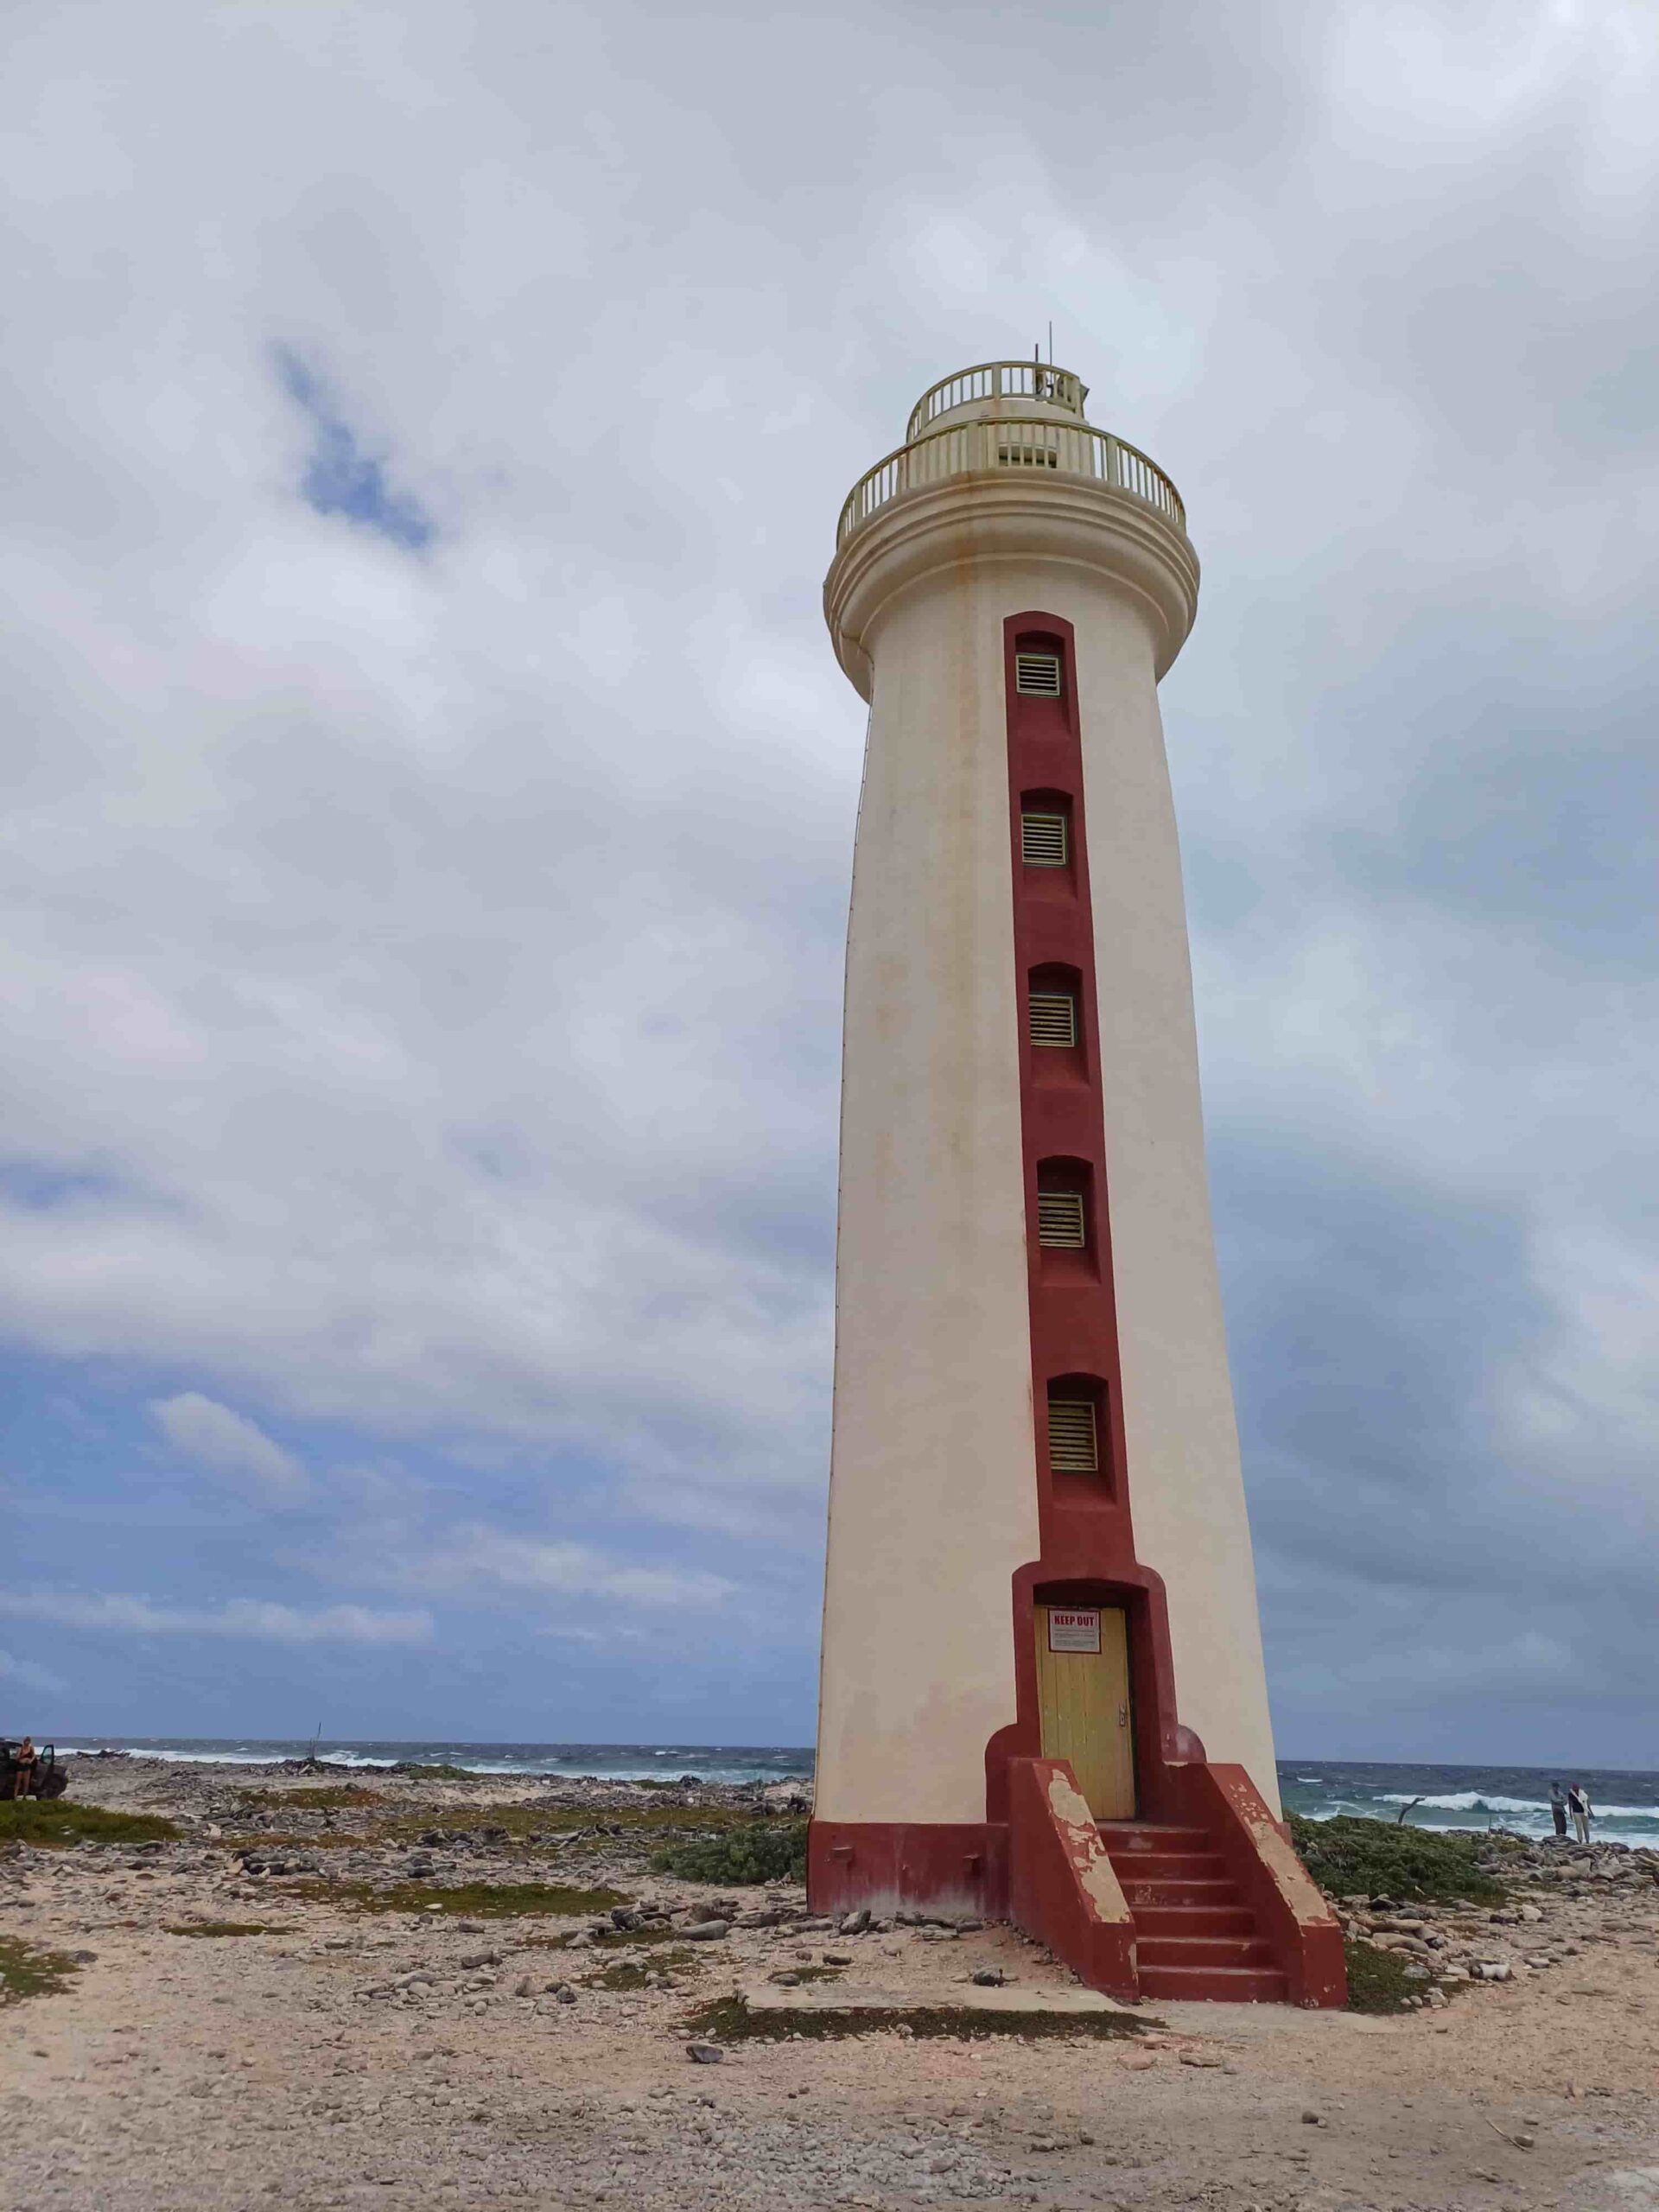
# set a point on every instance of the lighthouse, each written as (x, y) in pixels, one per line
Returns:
(1042, 1694)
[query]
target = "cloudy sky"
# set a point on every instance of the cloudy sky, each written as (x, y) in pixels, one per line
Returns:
(430, 798)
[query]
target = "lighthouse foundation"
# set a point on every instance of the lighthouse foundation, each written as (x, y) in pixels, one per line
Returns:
(1194, 1893)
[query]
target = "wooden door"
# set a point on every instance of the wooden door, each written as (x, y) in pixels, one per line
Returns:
(1083, 1697)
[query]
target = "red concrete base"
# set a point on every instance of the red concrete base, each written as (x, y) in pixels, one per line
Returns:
(955, 1872)
(1215, 1904)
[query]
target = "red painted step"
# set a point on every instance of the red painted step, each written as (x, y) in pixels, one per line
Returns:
(1194, 1920)
(1201, 1951)
(1169, 1893)
(1148, 1835)
(1195, 1936)
(1234, 1985)
(1168, 1865)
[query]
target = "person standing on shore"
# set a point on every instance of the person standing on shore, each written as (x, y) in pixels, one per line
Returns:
(1557, 1810)
(24, 1757)
(1578, 1799)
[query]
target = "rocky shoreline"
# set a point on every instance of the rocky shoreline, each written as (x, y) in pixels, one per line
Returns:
(1563, 1899)
(408, 1988)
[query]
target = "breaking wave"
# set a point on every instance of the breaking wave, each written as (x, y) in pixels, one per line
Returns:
(1625, 1805)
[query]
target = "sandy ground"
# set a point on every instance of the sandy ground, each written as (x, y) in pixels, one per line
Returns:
(291, 2068)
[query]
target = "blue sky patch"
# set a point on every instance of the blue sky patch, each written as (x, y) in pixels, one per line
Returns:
(340, 477)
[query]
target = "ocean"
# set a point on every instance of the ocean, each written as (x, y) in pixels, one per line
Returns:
(1625, 1805)
(609, 1762)
(1513, 1797)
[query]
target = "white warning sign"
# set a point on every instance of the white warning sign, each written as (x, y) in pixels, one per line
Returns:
(1073, 1630)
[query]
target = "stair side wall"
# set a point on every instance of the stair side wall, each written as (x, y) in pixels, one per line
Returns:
(1062, 1889)
(1290, 1909)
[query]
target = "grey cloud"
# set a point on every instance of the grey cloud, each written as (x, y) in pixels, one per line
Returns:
(427, 969)
(476, 1555)
(1413, 1538)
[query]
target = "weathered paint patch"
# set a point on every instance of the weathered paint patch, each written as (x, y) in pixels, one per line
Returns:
(1301, 1894)
(1062, 1888)
(1093, 1869)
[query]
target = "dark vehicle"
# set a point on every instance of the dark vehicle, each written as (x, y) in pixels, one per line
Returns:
(46, 1778)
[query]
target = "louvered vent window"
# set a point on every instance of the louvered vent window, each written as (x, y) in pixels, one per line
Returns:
(1028, 457)
(1072, 1447)
(1060, 1220)
(1038, 675)
(1043, 840)
(1053, 1018)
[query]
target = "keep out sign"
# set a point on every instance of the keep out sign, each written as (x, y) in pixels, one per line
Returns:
(1073, 1630)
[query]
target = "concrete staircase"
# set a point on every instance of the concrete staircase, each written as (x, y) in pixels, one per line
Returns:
(1194, 1934)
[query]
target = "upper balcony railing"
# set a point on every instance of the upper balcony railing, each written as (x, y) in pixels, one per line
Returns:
(1005, 442)
(992, 380)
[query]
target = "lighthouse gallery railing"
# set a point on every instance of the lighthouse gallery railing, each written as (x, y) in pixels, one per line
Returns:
(1068, 449)
(1052, 387)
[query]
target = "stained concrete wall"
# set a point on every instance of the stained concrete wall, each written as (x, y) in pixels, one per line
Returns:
(932, 1495)
(931, 1502)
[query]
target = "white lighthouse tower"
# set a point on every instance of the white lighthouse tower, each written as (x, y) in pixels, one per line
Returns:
(1043, 1694)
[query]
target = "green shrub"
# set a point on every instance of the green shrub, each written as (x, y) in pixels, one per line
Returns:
(1377, 1980)
(1349, 1857)
(56, 1821)
(774, 1853)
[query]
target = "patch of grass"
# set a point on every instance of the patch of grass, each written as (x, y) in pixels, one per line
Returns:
(521, 1822)
(26, 1971)
(473, 1900)
(1377, 1981)
(626, 1973)
(311, 1800)
(728, 2019)
(1350, 1855)
(226, 1928)
(57, 1823)
(774, 1852)
(634, 1974)
(621, 1939)
(518, 1820)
